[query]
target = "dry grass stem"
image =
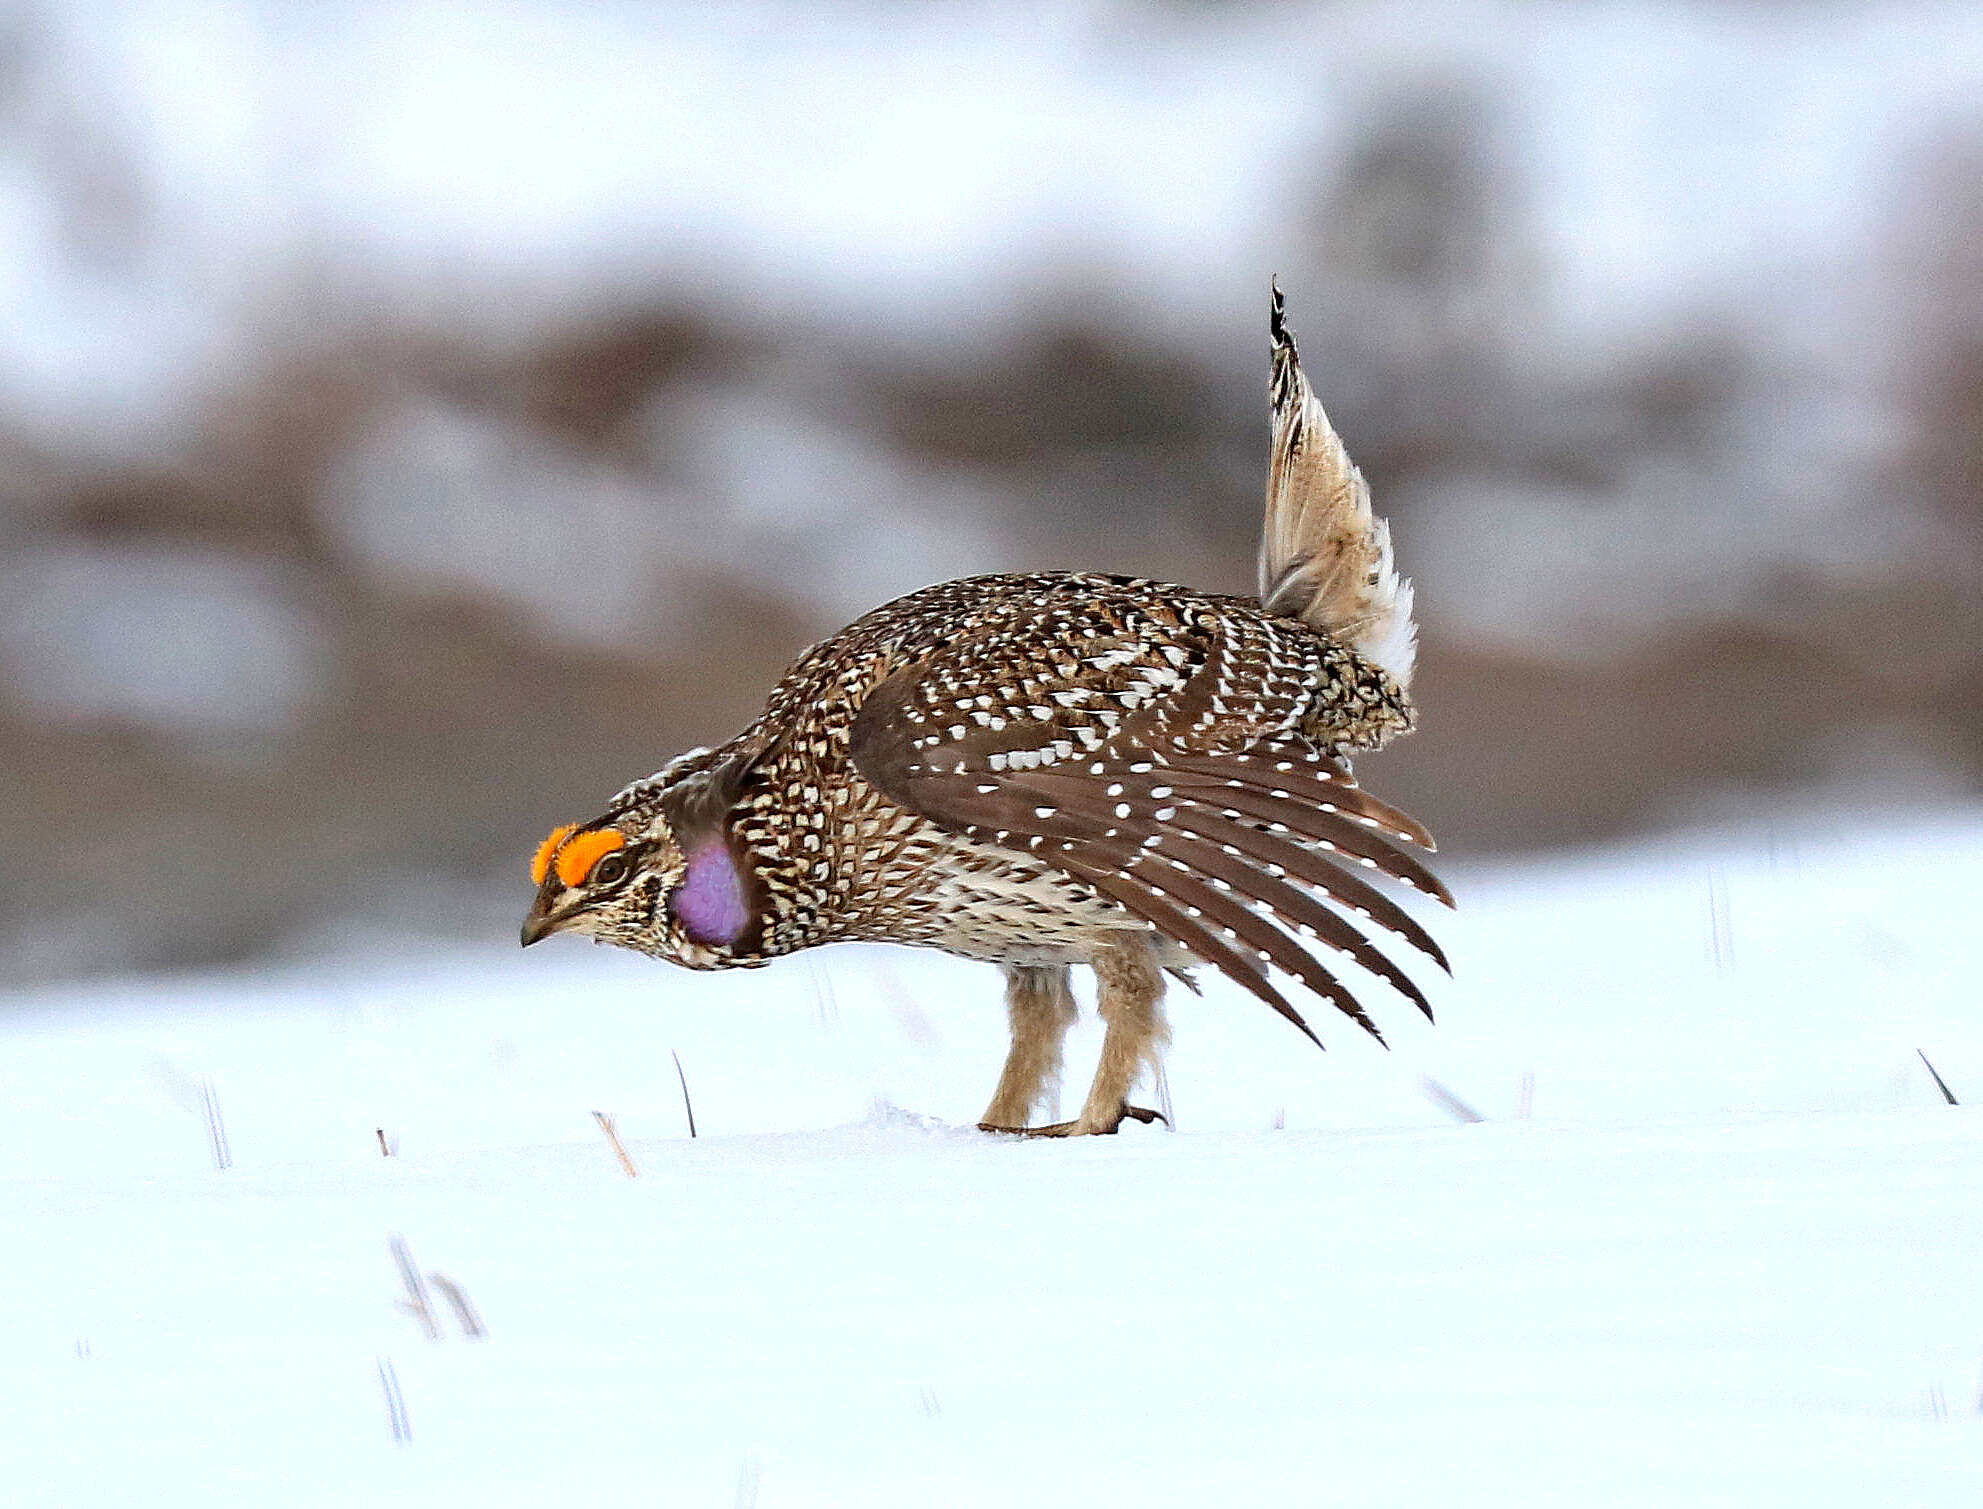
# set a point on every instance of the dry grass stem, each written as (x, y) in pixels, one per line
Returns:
(223, 1155)
(1721, 933)
(416, 1302)
(687, 1104)
(1448, 1102)
(619, 1148)
(457, 1298)
(1940, 1083)
(402, 1432)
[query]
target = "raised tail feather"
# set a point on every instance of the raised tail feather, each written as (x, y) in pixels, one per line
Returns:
(1325, 558)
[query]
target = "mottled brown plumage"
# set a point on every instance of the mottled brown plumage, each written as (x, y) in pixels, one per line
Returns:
(1054, 769)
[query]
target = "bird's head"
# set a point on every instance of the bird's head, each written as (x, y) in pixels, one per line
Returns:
(629, 881)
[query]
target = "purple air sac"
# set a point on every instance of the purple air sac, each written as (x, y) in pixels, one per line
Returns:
(709, 903)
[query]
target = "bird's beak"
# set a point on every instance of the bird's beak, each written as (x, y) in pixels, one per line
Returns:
(540, 923)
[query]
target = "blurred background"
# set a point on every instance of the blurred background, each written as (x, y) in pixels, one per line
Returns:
(417, 419)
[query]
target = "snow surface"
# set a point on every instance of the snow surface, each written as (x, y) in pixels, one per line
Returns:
(1715, 1242)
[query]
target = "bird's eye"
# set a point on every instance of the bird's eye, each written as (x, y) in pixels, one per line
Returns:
(609, 871)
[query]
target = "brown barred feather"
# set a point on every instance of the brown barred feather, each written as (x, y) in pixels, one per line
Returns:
(1326, 781)
(1242, 858)
(1196, 875)
(1329, 830)
(1103, 821)
(1239, 800)
(1272, 850)
(1173, 919)
(1127, 810)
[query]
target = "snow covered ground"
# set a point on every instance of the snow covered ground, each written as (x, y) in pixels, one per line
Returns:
(1716, 1241)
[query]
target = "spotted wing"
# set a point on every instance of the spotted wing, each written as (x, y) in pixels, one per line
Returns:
(1176, 764)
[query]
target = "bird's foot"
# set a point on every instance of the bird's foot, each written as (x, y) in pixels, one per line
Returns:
(1082, 1127)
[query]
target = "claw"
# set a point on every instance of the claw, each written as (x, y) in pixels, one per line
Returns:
(1075, 1129)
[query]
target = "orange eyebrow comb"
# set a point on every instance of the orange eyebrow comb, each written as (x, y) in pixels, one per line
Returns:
(580, 852)
(540, 866)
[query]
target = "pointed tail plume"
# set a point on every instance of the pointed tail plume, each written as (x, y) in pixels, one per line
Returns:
(1325, 558)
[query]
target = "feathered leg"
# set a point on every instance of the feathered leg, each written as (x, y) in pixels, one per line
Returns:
(1131, 1001)
(1040, 1004)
